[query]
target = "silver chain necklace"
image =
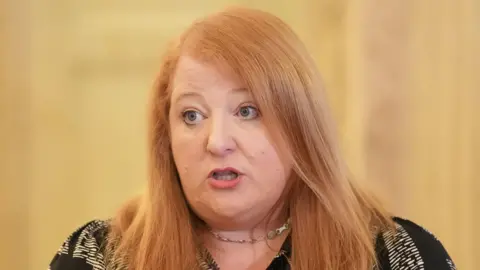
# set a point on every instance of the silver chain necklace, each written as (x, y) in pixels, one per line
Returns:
(270, 235)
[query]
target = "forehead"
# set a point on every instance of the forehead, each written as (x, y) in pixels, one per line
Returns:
(191, 72)
(188, 68)
(194, 78)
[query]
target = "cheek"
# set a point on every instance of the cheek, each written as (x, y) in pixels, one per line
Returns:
(186, 153)
(181, 161)
(264, 155)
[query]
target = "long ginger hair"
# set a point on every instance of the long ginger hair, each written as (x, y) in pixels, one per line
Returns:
(333, 220)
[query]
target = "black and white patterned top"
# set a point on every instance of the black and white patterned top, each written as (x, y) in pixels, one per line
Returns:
(410, 247)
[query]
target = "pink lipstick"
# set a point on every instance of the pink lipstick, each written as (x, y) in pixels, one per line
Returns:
(224, 178)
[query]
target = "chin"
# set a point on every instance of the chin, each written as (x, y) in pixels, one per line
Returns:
(230, 209)
(224, 212)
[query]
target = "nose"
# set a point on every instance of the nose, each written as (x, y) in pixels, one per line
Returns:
(220, 141)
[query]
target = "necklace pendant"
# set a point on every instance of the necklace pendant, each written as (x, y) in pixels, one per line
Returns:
(271, 235)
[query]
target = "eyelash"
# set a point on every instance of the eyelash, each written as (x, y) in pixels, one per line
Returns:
(250, 107)
(183, 115)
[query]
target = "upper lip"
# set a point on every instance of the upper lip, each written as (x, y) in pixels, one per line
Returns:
(218, 170)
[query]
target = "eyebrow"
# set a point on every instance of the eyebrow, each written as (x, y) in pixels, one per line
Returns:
(185, 95)
(241, 89)
(188, 94)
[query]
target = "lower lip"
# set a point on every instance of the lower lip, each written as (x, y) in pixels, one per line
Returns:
(224, 184)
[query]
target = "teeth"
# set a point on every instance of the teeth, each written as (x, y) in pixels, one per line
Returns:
(225, 176)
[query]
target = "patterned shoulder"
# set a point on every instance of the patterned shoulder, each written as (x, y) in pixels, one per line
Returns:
(412, 247)
(82, 250)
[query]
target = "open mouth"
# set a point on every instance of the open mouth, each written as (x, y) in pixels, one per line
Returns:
(226, 175)
(224, 178)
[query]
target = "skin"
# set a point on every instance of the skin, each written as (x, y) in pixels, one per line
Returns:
(215, 123)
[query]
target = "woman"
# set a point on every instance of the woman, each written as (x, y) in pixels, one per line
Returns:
(245, 169)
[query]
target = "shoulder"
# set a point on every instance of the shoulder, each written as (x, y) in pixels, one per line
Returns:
(410, 246)
(83, 249)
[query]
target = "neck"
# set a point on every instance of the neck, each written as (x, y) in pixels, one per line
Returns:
(247, 230)
(256, 255)
(226, 241)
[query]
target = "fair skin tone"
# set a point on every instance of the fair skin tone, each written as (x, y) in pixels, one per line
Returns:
(215, 124)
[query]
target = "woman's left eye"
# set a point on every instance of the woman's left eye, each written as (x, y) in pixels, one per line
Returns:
(248, 112)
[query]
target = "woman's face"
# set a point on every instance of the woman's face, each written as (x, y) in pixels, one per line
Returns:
(229, 169)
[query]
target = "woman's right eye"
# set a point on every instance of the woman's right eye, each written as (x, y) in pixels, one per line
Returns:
(192, 117)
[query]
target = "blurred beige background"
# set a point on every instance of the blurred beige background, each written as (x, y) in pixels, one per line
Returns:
(402, 77)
